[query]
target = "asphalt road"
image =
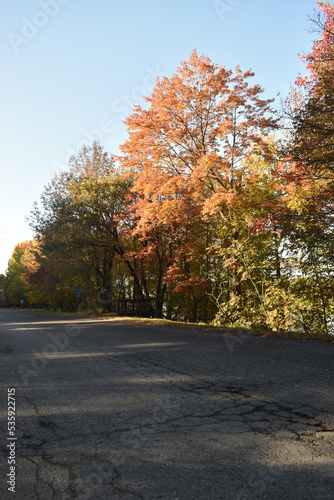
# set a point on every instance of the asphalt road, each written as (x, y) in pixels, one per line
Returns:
(114, 410)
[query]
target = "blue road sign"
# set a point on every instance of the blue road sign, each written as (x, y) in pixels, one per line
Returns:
(78, 292)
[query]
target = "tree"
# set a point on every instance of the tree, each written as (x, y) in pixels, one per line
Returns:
(187, 153)
(83, 213)
(311, 105)
(86, 232)
(15, 285)
(306, 178)
(2, 291)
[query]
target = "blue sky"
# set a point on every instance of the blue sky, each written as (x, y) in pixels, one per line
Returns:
(73, 69)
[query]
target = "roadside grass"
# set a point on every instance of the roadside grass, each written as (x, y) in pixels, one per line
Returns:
(259, 331)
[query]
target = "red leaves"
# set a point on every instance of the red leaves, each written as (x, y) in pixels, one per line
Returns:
(264, 224)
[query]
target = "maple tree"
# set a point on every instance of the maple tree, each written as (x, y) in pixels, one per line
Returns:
(190, 149)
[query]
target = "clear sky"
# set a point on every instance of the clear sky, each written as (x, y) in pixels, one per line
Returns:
(73, 69)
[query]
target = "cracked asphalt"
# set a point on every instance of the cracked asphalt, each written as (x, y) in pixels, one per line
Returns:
(108, 409)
